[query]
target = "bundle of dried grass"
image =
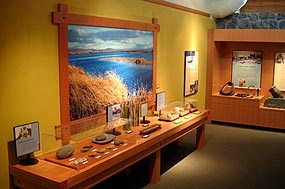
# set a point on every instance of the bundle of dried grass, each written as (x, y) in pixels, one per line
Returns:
(90, 95)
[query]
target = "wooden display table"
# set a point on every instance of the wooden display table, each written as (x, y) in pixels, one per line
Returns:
(51, 175)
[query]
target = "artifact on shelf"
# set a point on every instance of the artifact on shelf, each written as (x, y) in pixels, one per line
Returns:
(277, 100)
(276, 93)
(249, 92)
(191, 108)
(64, 152)
(104, 138)
(150, 129)
(87, 140)
(228, 89)
(176, 109)
(181, 111)
(168, 116)
(86, 148)
(118, 142)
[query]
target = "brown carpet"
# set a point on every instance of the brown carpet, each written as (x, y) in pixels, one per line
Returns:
(234, 157)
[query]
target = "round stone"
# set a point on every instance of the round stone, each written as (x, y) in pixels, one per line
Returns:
(100, 138)
(117, 142)
(64, 152)
(102, 151)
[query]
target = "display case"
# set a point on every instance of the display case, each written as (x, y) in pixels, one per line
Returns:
(246, 105)
(176, 109)
(89, 144)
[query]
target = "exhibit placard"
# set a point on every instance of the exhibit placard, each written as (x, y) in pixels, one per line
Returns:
(279, 71)
(190, 72)
(27, 138)
(246, 68)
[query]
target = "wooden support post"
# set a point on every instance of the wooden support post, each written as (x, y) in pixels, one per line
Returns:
(154, 167)
(200, 137)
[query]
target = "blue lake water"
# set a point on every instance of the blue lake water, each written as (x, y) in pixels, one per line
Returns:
(132, 75)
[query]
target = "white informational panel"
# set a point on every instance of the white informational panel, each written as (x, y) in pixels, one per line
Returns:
(246, 70)
(190, 72)
(144, 108)
(27, 138)
(113, 112)
(279, 71)
(160, 101)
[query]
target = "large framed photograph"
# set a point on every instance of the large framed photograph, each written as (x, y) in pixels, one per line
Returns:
(102, 61)
(190, 73)
(246, 68)
(279, 70)
(27, 139)
(111, 62)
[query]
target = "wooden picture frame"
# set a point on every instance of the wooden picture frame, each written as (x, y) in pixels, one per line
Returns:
(64, 19)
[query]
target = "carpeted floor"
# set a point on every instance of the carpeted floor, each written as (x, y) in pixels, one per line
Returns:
(233, 158)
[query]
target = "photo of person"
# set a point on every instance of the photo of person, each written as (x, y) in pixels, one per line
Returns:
(24, 132)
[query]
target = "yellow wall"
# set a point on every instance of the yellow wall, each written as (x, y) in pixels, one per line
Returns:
(29, 78)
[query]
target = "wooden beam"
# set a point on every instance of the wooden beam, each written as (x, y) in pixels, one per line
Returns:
(180, 7)
(277, 6)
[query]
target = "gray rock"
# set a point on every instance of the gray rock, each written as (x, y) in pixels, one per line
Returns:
(267, 15)
(272, 24)
(252, 17)
(241, 16)
(244, 24)
(221, 23)
(64, 152)
(282, 24)
(265, 20)
(100, 137)
(231, 25)
(259, 25)
(280, 16)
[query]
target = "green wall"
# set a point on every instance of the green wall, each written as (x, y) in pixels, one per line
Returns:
(29, 78)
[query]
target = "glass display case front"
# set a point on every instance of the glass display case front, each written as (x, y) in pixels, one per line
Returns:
(89, 144)
(176, 109)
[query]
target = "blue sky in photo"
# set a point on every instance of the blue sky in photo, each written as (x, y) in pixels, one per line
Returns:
(99, 38)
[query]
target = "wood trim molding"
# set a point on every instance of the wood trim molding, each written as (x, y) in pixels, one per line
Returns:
(180, 7)
(62, 17)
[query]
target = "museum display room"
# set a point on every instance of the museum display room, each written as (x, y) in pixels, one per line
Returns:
(90, 89)
(37, 114)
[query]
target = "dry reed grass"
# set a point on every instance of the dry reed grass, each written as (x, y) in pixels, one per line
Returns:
(90, 95)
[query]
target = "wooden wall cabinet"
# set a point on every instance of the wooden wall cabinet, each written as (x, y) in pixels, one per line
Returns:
(232, 109)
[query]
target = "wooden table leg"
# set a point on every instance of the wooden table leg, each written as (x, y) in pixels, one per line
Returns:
(200, 137)
(154, 167)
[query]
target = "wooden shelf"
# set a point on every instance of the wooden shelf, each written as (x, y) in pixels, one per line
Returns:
(258, 98)
(249, 35)
(272, 109)
(50, 175)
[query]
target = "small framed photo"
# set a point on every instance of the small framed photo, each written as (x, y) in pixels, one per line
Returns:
(113, 112)
(27, 138)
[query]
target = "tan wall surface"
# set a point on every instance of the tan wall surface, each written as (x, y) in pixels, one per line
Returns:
(29, 77)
